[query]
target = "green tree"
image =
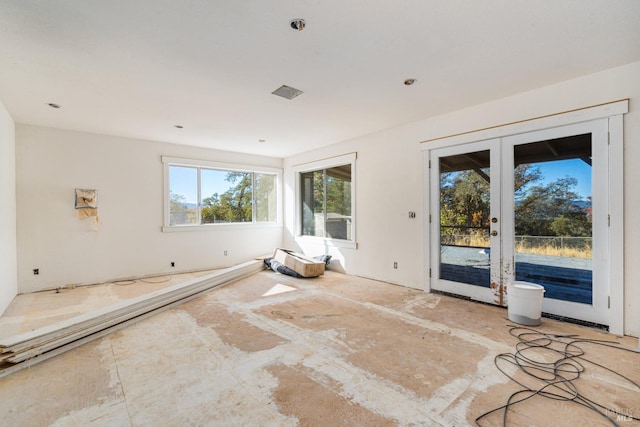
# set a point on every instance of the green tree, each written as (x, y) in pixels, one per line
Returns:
(524, 175)
(177, 202)
(550, 210)
(464, 199)
(179, 210)
(338, 195)
(234, 205)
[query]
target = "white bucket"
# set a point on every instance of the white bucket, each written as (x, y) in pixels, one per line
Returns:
(525, 303)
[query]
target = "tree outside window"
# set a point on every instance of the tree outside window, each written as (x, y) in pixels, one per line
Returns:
(212, 196)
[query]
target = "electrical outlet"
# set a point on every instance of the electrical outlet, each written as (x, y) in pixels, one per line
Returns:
(36, 271)
(412, 214)
(395, 265)
(173, 264)
(225, 253)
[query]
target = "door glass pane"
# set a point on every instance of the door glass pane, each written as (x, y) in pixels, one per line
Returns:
(553, 216)
(464, 218)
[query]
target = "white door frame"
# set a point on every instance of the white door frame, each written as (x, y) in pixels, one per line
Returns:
(613, 112)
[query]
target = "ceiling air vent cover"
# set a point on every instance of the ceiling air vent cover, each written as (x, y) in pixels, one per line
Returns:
(287, 92)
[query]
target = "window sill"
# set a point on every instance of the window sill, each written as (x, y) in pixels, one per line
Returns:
(321, 241)
(218, 227)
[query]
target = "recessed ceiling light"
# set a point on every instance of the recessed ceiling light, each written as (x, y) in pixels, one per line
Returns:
(178, 126)
(409, 82)
(287, 92)
(298, 24)
(52, 105)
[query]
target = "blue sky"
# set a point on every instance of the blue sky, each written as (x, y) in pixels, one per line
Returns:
(184, 181)
(574, 168)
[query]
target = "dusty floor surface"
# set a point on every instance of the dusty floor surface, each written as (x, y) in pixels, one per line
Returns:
(271, 350)
(31, 311)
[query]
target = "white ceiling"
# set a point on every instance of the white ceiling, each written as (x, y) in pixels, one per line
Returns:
(136, 68)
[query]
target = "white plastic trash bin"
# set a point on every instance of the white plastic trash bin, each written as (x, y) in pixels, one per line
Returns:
(525, 303)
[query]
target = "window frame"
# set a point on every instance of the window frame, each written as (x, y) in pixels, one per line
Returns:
(222, 166)
(346, 159)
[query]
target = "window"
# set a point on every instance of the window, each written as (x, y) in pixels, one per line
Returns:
(205, 193)
(326, 195)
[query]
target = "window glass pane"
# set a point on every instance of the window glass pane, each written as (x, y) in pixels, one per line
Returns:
(338, 188)
(265, 198)
(226, 196)
(326, 203)
(312, 187)
(183, 195)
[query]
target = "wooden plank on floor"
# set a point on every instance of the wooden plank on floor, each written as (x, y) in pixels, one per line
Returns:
(70, 325)
(70, 346)
(32, 345)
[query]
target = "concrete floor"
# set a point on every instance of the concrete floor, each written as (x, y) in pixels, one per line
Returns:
(271, 350)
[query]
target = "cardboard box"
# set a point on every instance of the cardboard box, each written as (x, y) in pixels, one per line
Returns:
(301, 264)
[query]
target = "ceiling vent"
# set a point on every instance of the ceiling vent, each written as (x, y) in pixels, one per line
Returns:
(287, 92)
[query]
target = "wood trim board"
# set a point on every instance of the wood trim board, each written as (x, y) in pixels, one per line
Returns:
(26, 349)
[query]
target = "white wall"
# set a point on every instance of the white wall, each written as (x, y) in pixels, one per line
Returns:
(390, 172)
(8, 254)
(128, 240)
(388, 185)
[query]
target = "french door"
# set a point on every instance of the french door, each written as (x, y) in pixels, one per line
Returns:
(529, 207)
